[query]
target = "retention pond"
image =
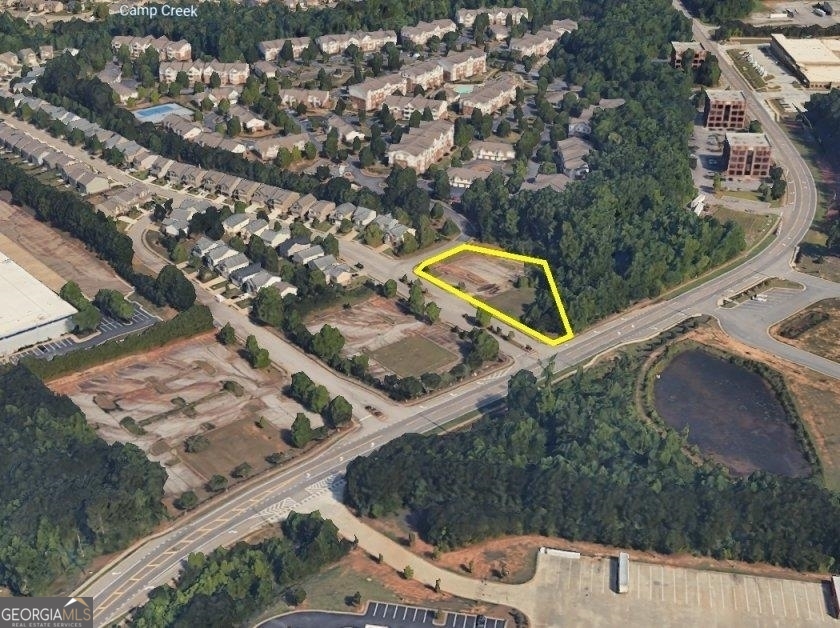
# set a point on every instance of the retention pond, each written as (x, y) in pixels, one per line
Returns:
(731, 413)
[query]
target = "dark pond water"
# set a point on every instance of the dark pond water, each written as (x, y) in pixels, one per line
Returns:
(731, 413)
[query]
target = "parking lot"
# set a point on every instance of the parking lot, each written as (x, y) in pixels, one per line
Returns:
(401, 616)
(108, 329)
(582, 592)
(381, 614)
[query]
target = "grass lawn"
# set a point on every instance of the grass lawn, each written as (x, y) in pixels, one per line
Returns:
(751, 195)
(513, 302)
(747, 71)
(328, 590)
(414, 355)
(755, 226)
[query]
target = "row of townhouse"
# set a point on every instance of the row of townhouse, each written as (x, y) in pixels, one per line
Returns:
(573, 151)
(347, 133)
(11, 62)
(118, 202)
(38, 153)
(393, 231)
(403, 106)
(490, 97)
(270, 50)
(465, 177)
(167, 49)
(177, 223)
(202, 71)
(424, 31)
(423, 146)
(196, 132)
(236, 267)
(497, 15)
(366, 42)
(371, 93)
(534, 44)
(268, 148)
(35, 6)
(216, 95)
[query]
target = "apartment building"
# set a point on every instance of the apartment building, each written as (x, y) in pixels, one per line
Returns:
(490, 97)
(679, 48)
(423, 146)
(747, 155)
(424, 31)
(497, 15)
(370, 94)
(463, 65)
(725, 109)
(270, 50)
(403, 106)
(366, 42)
(534, 44)
(426, 74)
(229, 73)
(493, 151)
(316, 98)
(167, 50)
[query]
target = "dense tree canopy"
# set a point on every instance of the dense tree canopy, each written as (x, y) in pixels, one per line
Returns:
(65, 494)
(576, 460)
(623, 233)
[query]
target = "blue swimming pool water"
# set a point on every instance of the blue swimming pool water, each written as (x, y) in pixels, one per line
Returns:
(159, 112)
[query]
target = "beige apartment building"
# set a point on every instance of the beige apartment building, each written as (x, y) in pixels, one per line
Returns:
(534, 44)
(424, 31)
(403, 106)
(426, 74)
(229, 73)
(490, 97)
(423, 146)
(366, 42)
(497, 15)
(370, 94)
(270, 50)
(459, 66)
(315, 98)
(167, 50)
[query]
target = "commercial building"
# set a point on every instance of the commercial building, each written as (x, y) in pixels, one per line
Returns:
(29, 311)
(747, 155)
(423, 146)
(497, 15)
(424, 31)
(725, 109)
(679, 48)
(815, 62)
(463, 65)
(370, 94)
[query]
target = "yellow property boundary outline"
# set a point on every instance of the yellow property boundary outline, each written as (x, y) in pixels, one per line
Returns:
(421, 271)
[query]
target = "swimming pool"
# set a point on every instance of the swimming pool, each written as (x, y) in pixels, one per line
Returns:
(464, 89)
(159, 112)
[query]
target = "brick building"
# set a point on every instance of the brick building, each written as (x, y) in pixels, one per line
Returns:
(747, 155)
(725, 109)
(426, 74)
(463, 65)
(370, 94)
(679, 48)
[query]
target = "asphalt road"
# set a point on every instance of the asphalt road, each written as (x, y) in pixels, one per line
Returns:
(125, 584)
(379, 614)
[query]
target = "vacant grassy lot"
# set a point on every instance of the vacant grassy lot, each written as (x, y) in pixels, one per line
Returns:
(414, 355)
(755, 226)
(822, 339)
(513, 301)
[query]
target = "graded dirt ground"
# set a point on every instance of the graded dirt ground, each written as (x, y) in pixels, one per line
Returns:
(63, 255)
(331, 589)
(482, 276)
(377, 325)
(824, 338)
(179, 388)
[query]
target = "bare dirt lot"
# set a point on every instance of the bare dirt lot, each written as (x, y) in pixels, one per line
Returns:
(377, 326)
(65, 256)
(482, 276)
(176, 392)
